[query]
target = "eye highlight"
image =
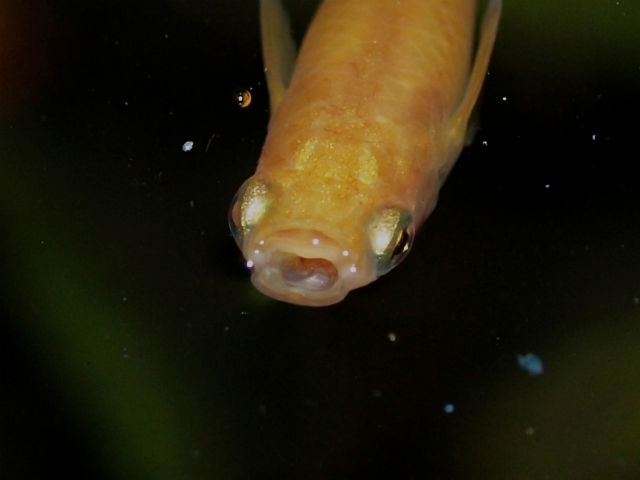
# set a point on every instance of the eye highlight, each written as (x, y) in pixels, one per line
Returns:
(248, 207)
(390, 233)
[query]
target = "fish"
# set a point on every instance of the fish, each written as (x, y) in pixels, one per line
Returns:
(366, 121)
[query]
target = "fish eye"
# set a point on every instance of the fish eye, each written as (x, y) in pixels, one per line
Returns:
(248, 207)
(391, 234)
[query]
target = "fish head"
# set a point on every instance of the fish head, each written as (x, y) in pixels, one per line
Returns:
(314, 247)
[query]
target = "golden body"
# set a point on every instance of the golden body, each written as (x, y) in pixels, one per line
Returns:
(373, 118)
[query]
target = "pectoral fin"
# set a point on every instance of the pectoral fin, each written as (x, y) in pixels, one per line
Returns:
(278, 49)
(488, 31)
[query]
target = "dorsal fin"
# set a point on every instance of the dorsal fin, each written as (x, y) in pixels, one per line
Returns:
(278, 49)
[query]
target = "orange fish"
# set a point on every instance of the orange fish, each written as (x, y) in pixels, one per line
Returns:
(363, 132)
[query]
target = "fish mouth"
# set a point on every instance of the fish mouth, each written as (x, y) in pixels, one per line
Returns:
(303, 267)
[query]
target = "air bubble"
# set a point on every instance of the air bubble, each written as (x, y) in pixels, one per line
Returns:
(242, 97)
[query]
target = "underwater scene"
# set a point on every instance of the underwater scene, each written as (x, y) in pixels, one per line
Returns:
(134, 345)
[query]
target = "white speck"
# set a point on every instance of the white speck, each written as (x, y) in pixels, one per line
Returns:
(636, 300)
(504, 99)
(547, 185)
(485, 143)
(529, 431)
(166, 36)
(345, 253)
(192, 203)
(126, 103)
(250, 263)
(124, 299)
(187, 146)
(261, 242)
(256, 251)
(449, 408)
(316, 241)
(353, 269)
(593, 137)
(531, 363)
(392, 337)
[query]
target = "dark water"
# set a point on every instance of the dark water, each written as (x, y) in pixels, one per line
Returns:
(134, 346)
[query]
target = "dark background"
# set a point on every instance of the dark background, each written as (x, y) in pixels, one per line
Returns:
(132, 344)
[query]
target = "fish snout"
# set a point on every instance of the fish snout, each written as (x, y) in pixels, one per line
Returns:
(302, 266)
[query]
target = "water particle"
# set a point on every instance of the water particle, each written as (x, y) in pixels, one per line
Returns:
(531, 363)
(485, 143)
(124, 299)
(449, 408)
(636, 300)
(593, 137)
(547, 185)
(187, 146)
(504, 99)
(250, 263)
(529, 431)
(392, 337)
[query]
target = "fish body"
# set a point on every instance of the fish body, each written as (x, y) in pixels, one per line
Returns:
(362, 135)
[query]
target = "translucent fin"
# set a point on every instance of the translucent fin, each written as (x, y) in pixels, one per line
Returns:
(487, 38)
(278, 49)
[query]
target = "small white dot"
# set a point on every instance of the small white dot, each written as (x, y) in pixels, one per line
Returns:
(256, 251)
(392, 337)
(449, 408)
(261, 242)
(187, 146)
(504, 99)
(250, 263)
(316, 241)
(345, 253)
(593, 137)
(353, 269)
